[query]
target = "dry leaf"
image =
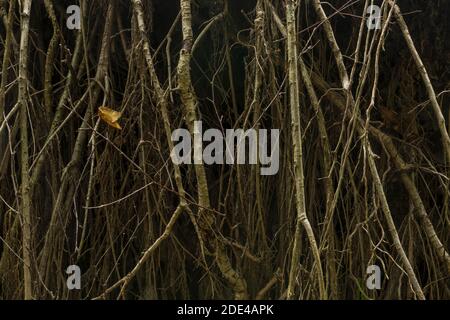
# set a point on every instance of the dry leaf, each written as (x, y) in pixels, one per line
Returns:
(110, 116)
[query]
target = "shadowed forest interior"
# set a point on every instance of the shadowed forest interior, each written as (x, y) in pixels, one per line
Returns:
(364, 149)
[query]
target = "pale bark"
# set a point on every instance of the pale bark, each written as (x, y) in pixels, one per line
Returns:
(302, 218)
(188, 98)
(25, 189)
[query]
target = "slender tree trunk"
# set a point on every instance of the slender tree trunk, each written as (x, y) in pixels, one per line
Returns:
(302, 218)
(25, 190)
(188, 98)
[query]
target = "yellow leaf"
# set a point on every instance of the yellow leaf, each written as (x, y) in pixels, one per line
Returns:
(110, 116)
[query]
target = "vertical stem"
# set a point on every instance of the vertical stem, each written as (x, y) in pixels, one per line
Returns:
(22, 99)
(4, 78)
(49, 59)
(189, 100)
(302, 218)
(5, 61)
